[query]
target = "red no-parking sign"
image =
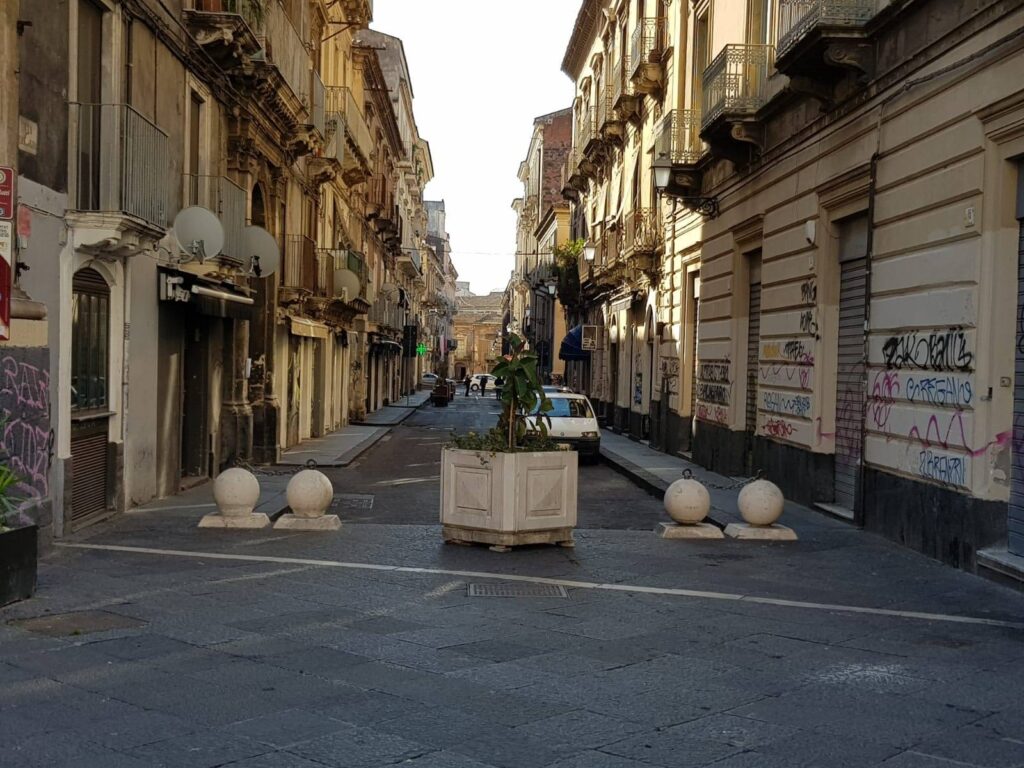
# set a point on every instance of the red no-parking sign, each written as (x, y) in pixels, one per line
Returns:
(6, 193)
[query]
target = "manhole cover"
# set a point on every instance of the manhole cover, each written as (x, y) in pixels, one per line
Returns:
(352, 501)
(517, 590)
(77, 623)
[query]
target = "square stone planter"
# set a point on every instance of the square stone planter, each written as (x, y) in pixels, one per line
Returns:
(18, 564)
(508, 499)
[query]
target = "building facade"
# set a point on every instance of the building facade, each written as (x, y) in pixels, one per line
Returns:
(274, 308)
(837, 241)
(478, 329)
(542, 224)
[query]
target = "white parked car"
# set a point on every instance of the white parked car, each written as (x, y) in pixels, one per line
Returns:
(478, 379)
(573, 423)
(428, 380)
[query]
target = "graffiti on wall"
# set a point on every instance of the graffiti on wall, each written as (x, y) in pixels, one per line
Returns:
(25, 434)
(714, 372)
(713, 413)
(669, 369)
(713, 393)
(794, 351)
(946, 350)
(785, 403)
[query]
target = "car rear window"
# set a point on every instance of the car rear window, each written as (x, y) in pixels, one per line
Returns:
(572, 408)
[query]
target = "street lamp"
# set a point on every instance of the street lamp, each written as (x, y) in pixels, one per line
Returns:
(589, 251)
(668, 185)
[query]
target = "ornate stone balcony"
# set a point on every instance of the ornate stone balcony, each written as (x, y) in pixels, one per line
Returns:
(647, 49)
(734, 89)
(820, 40)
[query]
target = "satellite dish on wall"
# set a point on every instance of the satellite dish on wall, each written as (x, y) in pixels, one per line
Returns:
(199, 232)
(348, 281)
(389, 291)
(260, 248)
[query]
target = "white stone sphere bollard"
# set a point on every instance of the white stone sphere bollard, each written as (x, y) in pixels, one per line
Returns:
(236, 492)
(761, 503)
(687, 501)
(309, 493)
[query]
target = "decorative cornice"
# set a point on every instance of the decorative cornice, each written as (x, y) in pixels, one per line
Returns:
(583, 32)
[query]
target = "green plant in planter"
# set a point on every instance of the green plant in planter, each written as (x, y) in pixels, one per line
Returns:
(9, 503)
(522, 397)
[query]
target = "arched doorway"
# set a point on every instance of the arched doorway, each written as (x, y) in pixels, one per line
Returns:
(90, 396)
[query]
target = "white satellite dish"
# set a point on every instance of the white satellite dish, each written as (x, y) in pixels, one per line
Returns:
(390, 291)
(199, 232)
(260, 248)
(348, 281)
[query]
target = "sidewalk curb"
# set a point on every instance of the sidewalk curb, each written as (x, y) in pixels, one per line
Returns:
(650, 482)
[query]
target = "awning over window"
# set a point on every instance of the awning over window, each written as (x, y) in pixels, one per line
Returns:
(572, 346)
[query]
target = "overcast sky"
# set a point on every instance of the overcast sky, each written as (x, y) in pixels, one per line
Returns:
(481, 71)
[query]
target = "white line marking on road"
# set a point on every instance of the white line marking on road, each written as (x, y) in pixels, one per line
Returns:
(668, 591)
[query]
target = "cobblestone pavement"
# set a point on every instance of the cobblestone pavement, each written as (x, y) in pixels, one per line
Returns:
(166, 645)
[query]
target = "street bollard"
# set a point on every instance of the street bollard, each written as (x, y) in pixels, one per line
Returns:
(309, 494)
(760, 503)
(236, 492)
(688, 502)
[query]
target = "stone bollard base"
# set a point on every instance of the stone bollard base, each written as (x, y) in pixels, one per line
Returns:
(246, 522)
(691, 531)
(291, 522)
(760, 532)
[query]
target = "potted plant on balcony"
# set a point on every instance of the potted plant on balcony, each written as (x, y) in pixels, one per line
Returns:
(511, 485)
(18, 544)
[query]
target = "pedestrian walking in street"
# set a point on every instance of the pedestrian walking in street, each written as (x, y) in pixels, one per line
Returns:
(483, 386)
(467, 383)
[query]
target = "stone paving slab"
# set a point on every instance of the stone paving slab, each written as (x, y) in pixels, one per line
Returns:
(396, 412)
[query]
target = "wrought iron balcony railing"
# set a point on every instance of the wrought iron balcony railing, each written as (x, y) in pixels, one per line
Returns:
(283, 47)
(317, 114)
(647, 44)
(120, 163)
(679, 137)
(301, 269)
(588, 129)
(228, 200)
(735, 81)
(643, 231)
(345, 114)
(799, 17)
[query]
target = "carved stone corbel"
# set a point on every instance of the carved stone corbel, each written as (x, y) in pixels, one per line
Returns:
(853, 55)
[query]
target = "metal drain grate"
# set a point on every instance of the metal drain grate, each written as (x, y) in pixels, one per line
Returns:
(352, 501)
(517, 590)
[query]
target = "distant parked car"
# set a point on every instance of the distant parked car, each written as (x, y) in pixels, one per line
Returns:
(573, 423)
(428, 380)
(478, 379)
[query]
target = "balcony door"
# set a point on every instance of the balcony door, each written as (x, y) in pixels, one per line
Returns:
(90, 95)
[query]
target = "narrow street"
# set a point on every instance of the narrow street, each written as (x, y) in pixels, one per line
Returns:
(154, 643)
(401, 473)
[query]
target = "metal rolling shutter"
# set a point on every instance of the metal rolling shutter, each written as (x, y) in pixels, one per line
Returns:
(753, 353)
(1016, 506)
(88, 472)
(850, 380)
